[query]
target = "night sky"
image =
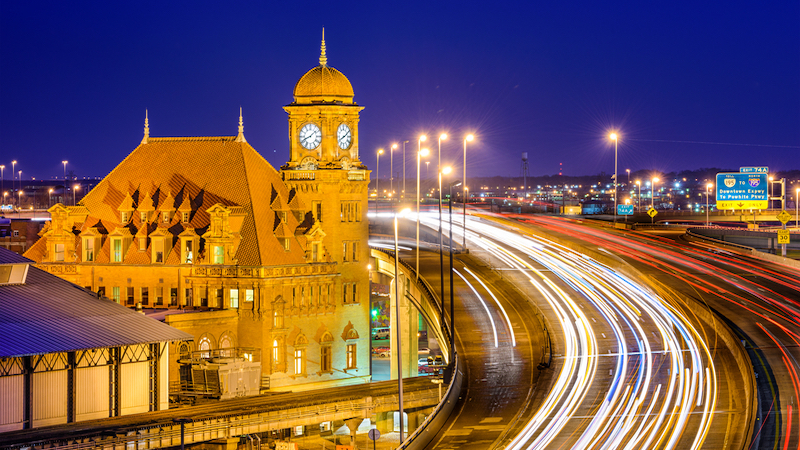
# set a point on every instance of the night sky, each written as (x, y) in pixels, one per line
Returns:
(687, 84)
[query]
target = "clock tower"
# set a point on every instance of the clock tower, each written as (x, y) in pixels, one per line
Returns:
(325, 170)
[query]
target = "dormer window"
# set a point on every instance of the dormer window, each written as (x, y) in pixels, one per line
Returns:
(315, 252)
(88, 249)
(124, 216)
(58, 252)
(283, 216)
(286, 246)
(184, 217)
(144, 216)
(219, 254)
(116, 249)
(165, 217)
(158, 250)
(188, 251)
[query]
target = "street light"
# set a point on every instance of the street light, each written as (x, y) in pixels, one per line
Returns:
(469, 138)
(708, 186)
(422, 152)
(13, 174)
(377, 178)
(49, 197)
(391, 168)
(19, 177)
(444, 171)
(653, 195)
(629, 176)
(74, 189)
(65, 180)
(615, 138)
(796, 216)
(769, 200)
(439, 170)
(404, 169)
(398, 332)
(3, 180)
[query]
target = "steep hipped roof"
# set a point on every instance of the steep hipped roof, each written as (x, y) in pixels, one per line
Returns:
(201, 171)
(47, 314)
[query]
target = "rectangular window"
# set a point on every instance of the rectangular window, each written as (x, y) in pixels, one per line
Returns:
(299, 362)
(294, 297)
(188, 247)
(116, 252)
(219, 256)
(286, 244)
(344, 292)
(130, 296)
(203, 296)
(315, 252)
(88, 250)
(145, 295)
(159, 295)
(173, 296)
(58, 252)
(354, 247)
(124, 217)
(358, 211)
(316, 208)
(101, 291)
(248, 295)
(144, 217)
(219, 294)
(344, 251)
(325, 358)
(184, 217)
(355, 293)
(115, 293)
(188, 299)
(158, 250)
(351, 356)
(234, 293)
(165, 217)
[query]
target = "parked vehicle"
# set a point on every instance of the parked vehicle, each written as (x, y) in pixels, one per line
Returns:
(381, 333)
(382, 352)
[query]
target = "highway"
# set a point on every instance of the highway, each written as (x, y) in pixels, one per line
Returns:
(760, 300)
(629, 369)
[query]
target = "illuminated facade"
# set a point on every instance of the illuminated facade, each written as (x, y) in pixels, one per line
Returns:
(238, 254)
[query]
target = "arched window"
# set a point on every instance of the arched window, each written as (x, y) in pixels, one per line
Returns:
(225, 346)
(204, 346)
(326, 353)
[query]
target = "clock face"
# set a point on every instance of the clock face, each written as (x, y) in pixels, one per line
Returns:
(345, 161)
(344, 136)
(310, 136)
(308, 163)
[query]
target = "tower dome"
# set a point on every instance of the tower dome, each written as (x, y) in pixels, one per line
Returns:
(323, 84)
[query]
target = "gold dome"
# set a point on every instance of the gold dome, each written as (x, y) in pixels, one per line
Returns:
(323, 84)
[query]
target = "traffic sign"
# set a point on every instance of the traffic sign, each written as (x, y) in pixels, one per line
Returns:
(784, 217)
(625, 210)
(737, 190)
(783, 236)
(374, 434)
(753, 169)
(652, 212)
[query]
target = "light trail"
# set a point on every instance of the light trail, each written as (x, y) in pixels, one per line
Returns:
(575, 286)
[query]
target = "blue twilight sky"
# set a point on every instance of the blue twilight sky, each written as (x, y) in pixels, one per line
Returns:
(688, 84)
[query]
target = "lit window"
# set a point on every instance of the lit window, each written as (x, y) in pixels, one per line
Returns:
(276, 354)
(299, 362)
(124, 217)
(344, 251)
(88, 250)
(158, 250)
(188, 252)
(116, 254)
(277, 317)
(185, 217)
(355, 296)
(219, 256)
(115, 293)
(144, 217)
(205, 348)
(165, 217)
(58, 252)
(315, 252)
(248, 295)
(286, 244)
(234, 298)
(351, 356)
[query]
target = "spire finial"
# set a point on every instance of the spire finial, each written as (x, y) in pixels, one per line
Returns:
(240, 137)
(146, 128)
(323, 58)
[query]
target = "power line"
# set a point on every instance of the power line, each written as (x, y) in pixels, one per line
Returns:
(715, 143)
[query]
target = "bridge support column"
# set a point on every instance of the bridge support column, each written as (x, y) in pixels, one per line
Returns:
(384, 422)
(352, 425)
(409, 327)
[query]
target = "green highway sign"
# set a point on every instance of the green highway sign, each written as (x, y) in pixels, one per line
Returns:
(736, 190)
(754, 169)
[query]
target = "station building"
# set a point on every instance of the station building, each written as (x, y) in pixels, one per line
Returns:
(67, 355)
(254, 263)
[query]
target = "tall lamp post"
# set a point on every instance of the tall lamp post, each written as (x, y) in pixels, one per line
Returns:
(439, 169)
(377, 177)
(420, 153)
(653, 195)
(452, 307)
(404, 169)
(639, 196)
(49, 198)
(65, 180)
(3, 180)
(391, 168)
(769, 199)
(444, 171)
(796, 215)
(398, 333)
(629, 177)
(75, 189)
(13, 180)
(19, 198)
(615, 138)
(468, 138)
(708, 186)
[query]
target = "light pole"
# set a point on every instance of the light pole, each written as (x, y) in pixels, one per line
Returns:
(49, 197)
(3, 180)
(452, 307)
(404, 169)
(615, 138)
(444, 171)
(639, 196)
(469, 138)
(796, 215)
(74, 189)
(391, 168)
(377, 178)
(13, 180)
(653, 195)
(19, 198)
(708, 186)
(420, 153)
(439, 170)
(65, 180)
(629, 177)
(398, 333)
(769, 200)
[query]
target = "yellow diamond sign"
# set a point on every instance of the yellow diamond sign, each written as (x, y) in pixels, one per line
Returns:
(784, 217)
(652, 212)
(783, 236)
